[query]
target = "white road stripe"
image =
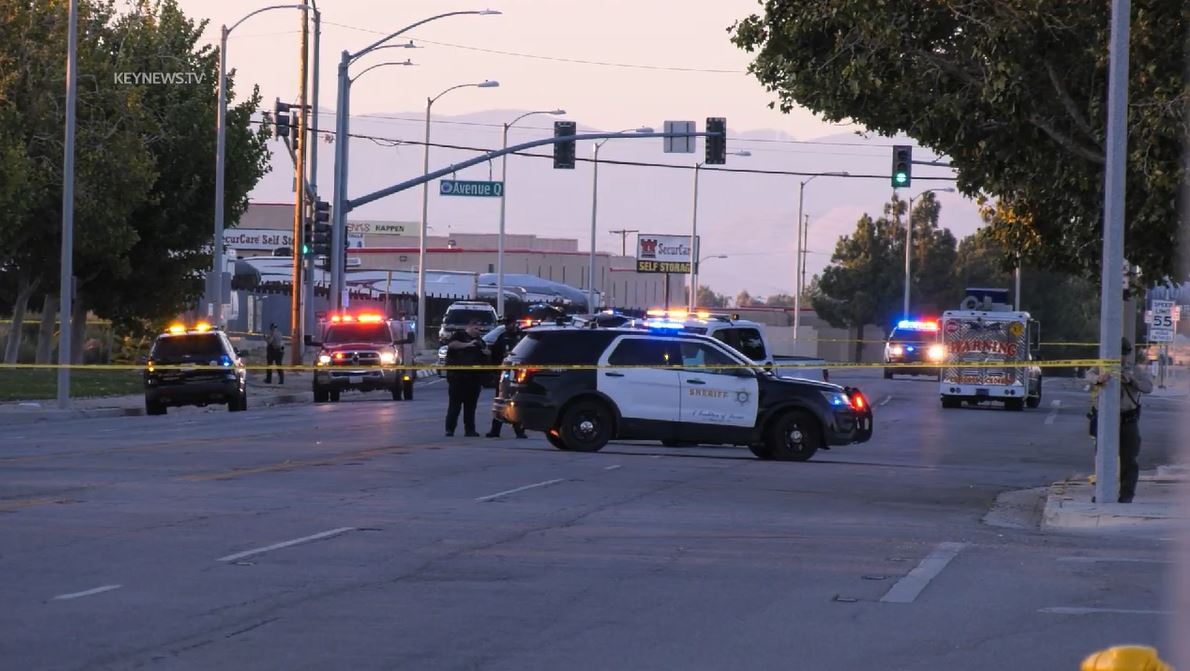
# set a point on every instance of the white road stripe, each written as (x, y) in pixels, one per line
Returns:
(1122, 560)
(1055, 404)
(285, 544)
(497, 495)
(907, 589)
(97, 590)
(1058, 610)
(885, 401)
(611, 468)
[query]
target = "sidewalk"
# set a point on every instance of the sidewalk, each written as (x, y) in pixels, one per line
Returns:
(295, 390)
(1159, 505)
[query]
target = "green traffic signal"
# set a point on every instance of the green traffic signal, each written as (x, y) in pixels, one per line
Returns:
(901, 178)
(902, 166)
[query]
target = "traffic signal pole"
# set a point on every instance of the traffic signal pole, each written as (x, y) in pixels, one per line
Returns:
(299, 208)
(311, 322)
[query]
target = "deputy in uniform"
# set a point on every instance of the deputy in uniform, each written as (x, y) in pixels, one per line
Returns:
(404, 334)
(465, 348)
(1134, 381)
(508, 339)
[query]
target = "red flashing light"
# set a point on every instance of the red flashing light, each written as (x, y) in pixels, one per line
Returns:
(338, 356)
(523, 375)
(370, 318)
(857, 401)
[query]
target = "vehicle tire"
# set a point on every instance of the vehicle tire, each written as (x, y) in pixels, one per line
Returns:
(239, 403)
(951, 402)
(761, 450)
(1034, 401)
(321, 395)
(794, 436)
(888, 374)
(555, 441)
(1014, 404)
(334, 396)
(396, 390)
(154, 408)
(586, 426)
(408, 387)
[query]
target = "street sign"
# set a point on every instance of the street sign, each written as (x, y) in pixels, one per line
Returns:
(1163, 326)
(680, 145)
(663, 253)
(458, 187)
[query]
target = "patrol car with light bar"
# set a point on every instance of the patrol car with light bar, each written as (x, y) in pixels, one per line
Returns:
(361, 352)
(583, 387)
(915, 344)
(194, 365)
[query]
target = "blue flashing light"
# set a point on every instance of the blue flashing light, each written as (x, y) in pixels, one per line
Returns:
(225, 360)
(665, 325)
(910, 348)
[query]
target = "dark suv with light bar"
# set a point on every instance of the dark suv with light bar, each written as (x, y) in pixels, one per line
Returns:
(194, 366)
(584, 387)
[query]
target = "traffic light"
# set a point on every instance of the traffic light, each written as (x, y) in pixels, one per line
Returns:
(716, 144)
(280, 119)
(320, 229)
(564, 151)
(902, 167)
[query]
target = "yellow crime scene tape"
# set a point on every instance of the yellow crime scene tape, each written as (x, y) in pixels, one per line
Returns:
(1109, 364)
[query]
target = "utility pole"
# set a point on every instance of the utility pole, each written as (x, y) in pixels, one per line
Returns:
(311, 271)
(66, 278)
(623, 233)
(805, 241)
(299, 207)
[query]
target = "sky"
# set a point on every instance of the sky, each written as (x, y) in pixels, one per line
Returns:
(611, 65)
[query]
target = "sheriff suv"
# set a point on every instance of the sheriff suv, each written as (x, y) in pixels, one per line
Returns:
(360, 352)
(914, 345)
(194, 366)
(585, 387)
(461, 313)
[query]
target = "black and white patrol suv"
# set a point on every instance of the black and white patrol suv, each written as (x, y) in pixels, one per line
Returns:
(584, 387)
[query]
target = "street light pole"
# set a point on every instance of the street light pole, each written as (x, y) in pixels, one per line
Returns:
(909, 246)
(215, 282)
(594, 211)
(799, 258)
(66, 278)
(693, 288)
(503, 196)
(425, 209)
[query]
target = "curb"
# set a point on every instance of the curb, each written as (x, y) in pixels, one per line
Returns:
(1068, 506)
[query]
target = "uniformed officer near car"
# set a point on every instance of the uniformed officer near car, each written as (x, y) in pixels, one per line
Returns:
(274, 352)
(1134, 381)
(464, 349)
(508, 339)
(404, 331)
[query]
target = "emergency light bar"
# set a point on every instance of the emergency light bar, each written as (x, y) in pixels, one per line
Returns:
(914, 325)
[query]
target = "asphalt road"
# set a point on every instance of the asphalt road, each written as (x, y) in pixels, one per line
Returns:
(356, 536)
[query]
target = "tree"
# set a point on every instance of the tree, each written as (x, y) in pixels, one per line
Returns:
(862, 285)
(1014, 93)
(743, 299)
(708, 298)
(934, 251)
(779, 301)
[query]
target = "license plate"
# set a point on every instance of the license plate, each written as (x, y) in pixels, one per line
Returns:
(356, 379)
(981, 392)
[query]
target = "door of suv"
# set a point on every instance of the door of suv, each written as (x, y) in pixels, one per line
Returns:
(646, 397)
(719, 395)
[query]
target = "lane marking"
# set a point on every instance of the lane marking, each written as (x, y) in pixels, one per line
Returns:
(907, 589)
(611, 468)
(885, 401)
(76, 595)
(1058, 610)
(285, 544)
(1055, 404)
(535, 485)
(1122, 560)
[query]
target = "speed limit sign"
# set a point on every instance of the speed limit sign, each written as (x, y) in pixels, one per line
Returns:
(1162, 327)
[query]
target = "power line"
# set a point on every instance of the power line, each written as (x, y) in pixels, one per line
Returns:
(557, 59)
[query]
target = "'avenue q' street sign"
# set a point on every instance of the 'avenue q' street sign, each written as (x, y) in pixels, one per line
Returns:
(458, 187)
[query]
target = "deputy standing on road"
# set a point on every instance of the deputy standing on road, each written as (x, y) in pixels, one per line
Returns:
(1134, 381)
(465, 348)
(404, 334)
(500, 349)
(274, 354)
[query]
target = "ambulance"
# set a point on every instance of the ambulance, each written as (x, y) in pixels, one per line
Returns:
(988, 353)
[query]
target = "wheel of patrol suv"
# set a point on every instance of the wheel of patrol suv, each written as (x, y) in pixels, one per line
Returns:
(154, 408)
(1014, 404)
(321, 395)
(239, 403)
(586, 426)
(556, 441)
(793, 436)
(408, 386)
(949, 402)
(334, 396)
(761, 450)
(397, 388)
(888, 374)
(1034, 401)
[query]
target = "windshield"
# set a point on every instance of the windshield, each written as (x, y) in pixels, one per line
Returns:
(464, 316)
(340, 333)
(187, 349)
(906, 335)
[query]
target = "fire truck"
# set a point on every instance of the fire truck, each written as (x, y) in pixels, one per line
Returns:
(364, 352)
(988, 353)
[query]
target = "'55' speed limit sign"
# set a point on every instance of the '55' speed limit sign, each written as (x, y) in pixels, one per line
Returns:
(1161, 329)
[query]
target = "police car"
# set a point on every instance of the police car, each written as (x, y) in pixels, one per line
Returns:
(194, 366)
(585, 387)
(914, 342)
